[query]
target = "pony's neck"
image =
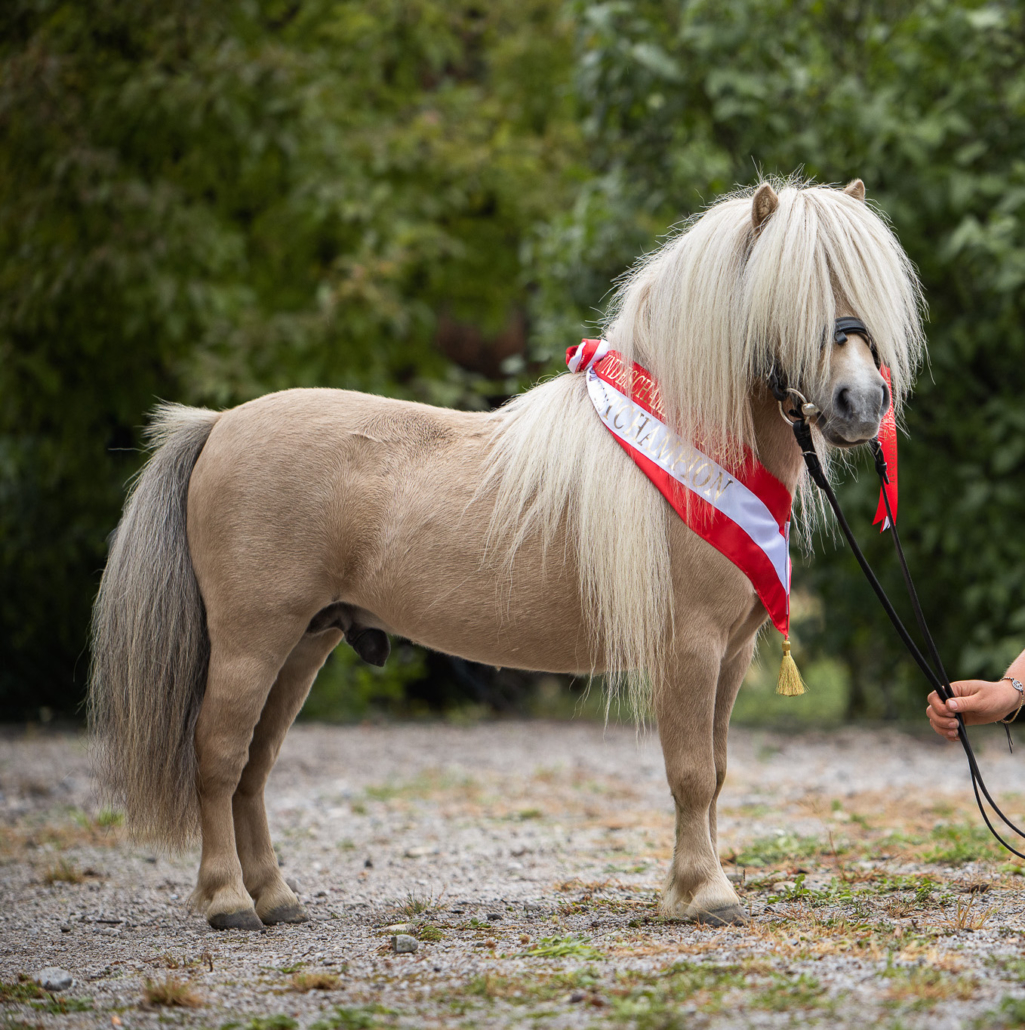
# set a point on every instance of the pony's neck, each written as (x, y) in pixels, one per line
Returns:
(777, 448)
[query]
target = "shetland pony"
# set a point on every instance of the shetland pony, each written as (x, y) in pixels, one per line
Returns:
(256, 539)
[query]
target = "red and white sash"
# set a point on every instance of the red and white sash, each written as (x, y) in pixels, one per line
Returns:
(743, 513)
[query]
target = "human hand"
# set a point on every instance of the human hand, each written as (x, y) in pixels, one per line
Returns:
(977, 701)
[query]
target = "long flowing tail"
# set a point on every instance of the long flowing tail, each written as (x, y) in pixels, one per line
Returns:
(150, 646)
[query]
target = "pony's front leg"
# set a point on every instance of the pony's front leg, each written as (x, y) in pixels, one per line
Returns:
(275, 900)
(696, 886)
(731, 676)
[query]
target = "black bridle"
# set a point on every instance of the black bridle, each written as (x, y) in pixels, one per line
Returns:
(782, 391)
(935, 673)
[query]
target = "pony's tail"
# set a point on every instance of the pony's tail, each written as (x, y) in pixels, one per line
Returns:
(150, 647)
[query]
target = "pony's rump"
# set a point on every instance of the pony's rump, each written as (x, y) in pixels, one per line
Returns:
(150, 647)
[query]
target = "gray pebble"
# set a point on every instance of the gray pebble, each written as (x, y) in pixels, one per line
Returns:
(403, 944)
(53, 978)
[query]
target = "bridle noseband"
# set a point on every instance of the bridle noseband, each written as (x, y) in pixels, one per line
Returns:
(784, 392)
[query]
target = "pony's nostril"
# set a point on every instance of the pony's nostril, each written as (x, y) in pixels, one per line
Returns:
(842, 402)
(885, 405)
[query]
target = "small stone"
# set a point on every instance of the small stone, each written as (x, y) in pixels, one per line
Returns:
(65, 928)
(403, 944)
(399, 927)
(368, 864)
(321, 893)
(493, 917)
(577, 996)
(53, 978)
(532, 906)
(293, 884)
(417, 852)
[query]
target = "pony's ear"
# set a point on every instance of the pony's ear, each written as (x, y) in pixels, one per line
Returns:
(856, 189)
(763, 204)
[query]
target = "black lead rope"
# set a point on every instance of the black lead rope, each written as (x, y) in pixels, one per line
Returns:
(938, 678)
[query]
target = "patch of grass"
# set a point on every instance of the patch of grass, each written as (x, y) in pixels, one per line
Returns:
(57, 1005)
(564, 947)
(313, 981)
(779, 848)
(1012, 968)
(359, 1017)
(276, 1022)
(529, 989)
(650, 1001)
(959, 843)
(529, 813)
(62, 871)
(968, 916)
(786, 992)
(108, 818)
(171, 992)
(1010, 1015)
(23, 990)
(430, 933)
(417, 905)
(928, 985)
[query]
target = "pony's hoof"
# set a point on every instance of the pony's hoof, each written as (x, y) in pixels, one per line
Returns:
(725, 915)
(246, 919)
(286, 914)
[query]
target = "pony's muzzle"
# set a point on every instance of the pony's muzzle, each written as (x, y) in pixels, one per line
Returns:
(855, 412)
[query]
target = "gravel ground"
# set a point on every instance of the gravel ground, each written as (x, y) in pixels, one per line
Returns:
(526, 858)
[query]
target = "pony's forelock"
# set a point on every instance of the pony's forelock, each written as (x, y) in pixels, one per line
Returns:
(719, 304)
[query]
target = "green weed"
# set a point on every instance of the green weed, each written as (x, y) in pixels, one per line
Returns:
(781, 847)
(958, 843)
(415, 905)
(276, 1022)
(360, 1017)
(62, 871)
(563, 947)
(59, 1006)
(530, 989)
(23, 990)
(786, 993)
(107, 818)
(1009, 1016)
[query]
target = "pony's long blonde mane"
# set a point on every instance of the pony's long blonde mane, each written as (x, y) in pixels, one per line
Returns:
(709, 314)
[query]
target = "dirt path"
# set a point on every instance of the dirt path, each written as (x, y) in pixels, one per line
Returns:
(526, 858)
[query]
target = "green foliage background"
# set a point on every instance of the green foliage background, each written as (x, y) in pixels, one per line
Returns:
(430, 198)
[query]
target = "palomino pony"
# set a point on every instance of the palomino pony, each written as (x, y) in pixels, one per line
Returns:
(256, 539)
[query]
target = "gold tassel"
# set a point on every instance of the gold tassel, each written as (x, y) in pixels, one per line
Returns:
(790, 683)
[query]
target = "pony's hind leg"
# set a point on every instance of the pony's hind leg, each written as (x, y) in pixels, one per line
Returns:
(696, 887)
(243, 668)
(274, 899)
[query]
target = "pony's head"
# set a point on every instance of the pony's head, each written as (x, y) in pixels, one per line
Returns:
(749, 292)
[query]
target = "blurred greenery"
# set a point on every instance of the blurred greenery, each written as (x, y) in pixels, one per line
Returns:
(429, 199)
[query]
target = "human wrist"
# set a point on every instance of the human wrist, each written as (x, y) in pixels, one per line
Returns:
(1014, 692)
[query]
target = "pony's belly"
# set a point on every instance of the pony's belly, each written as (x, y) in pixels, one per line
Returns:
(491, 623)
